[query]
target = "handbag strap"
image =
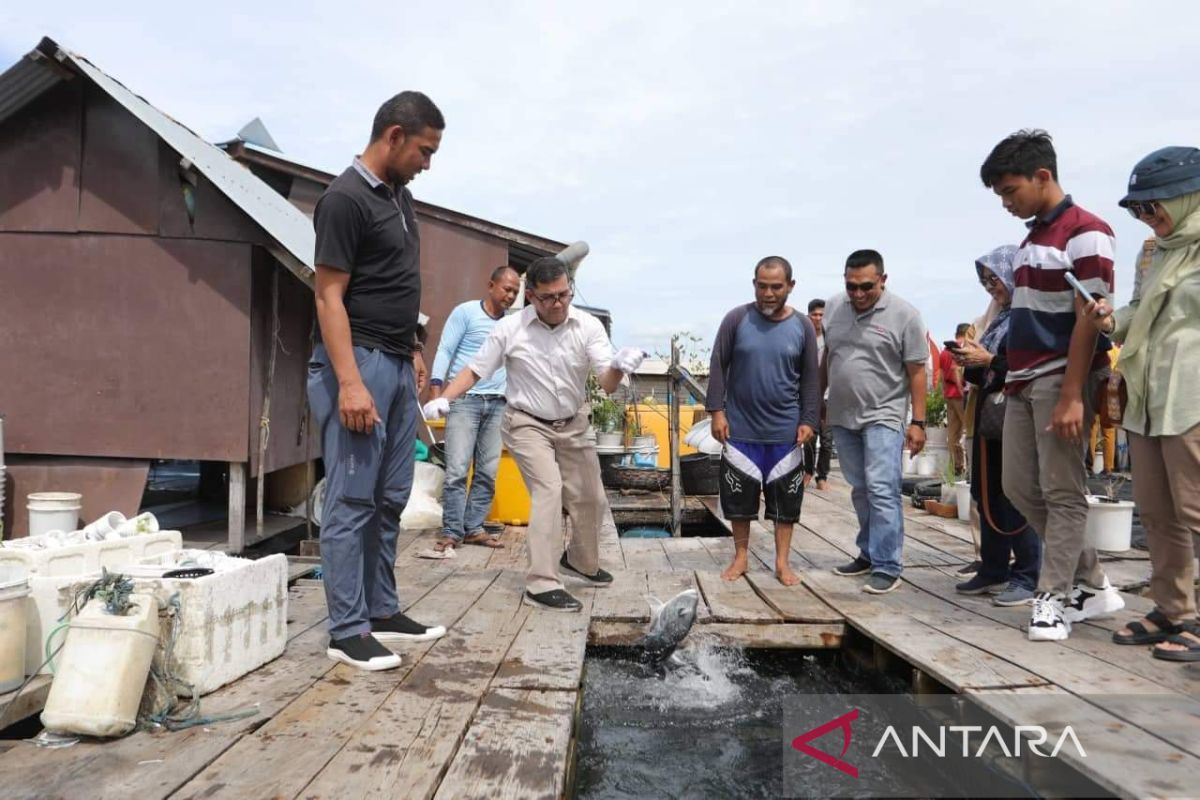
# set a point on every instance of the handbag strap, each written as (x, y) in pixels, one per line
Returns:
(983, 494)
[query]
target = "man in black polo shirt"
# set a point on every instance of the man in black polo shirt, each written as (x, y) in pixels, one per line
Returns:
(362, 380)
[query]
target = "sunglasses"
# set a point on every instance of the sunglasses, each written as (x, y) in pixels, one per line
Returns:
(548, 299)
(866, 286)
(1142, 209)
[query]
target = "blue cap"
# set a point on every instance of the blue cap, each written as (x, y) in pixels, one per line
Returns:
(1164, 174)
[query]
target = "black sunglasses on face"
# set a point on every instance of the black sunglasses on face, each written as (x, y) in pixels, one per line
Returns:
(1143, 209)
(860, 287)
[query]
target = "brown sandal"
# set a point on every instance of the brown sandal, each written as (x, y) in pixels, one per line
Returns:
(484, 540)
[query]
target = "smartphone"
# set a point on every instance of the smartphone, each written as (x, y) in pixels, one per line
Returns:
(1082, 292)
(951, 344)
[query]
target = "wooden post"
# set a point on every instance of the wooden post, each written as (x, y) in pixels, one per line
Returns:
(237, 506)
(674, 385)
(264, 421)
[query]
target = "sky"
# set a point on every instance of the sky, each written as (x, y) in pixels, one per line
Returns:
(685, 141)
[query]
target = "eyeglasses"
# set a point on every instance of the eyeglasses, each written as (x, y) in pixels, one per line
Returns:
(554, 299)
(1147, 209)
(988, 281)
(866, 286)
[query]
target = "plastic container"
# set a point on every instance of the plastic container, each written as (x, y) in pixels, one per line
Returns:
(1109, 525)
(908, 464)
(655, 422)
(102, 669)
(100, 529)
(511, 504)
(53, 511)
(614, 439)
(14, 587)
(926, 465)
(962, 495)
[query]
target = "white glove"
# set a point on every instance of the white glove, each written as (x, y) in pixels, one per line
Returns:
(436, 409)
(628, 359)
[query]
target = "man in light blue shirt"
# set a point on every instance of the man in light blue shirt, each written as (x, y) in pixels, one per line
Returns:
(473, 424)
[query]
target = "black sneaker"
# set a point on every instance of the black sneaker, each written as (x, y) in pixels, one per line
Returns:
(399, 628)
(879, 583)
(364, 652)
(979, 585)
(859, 566)
(600, 578)
(553, 600)
(971, 569)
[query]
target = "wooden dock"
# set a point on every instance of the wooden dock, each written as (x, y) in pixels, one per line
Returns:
(489, 710)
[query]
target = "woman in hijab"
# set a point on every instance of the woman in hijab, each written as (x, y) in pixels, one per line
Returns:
(1004, 534)
(1160, 362)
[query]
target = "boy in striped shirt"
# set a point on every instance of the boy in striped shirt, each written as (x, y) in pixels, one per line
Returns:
(1053, 363)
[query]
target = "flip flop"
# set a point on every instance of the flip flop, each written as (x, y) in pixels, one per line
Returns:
(483, 540)
(445, 548)
(1140, 634)
(1192, 653)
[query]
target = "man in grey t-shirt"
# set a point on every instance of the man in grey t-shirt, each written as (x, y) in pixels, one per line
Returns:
(874, 361)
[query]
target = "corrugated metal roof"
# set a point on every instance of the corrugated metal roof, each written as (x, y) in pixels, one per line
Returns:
(290, 230)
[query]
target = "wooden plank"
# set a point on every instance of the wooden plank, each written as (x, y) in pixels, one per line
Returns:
(548, 652)
(237, 507)
(612, 557)
(305, 610)
(792, 603)
(515, 749)
(626, 599)
(1121, 758)
(688, 554)
(841, 530)
(515, 554)
(299, 569)
(279, 759)
(14, 707)
(646, 554)
(794, 636)
(734, 601)
(406, 745)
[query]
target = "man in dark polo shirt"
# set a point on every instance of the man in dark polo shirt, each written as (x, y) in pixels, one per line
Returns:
(362, 380)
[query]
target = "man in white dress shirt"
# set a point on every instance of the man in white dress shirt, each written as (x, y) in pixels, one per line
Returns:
(548, 351)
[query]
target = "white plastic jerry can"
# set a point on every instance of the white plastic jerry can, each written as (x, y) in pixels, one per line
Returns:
(101, 672)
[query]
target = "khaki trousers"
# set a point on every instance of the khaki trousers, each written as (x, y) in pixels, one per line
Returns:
(1045, 478)
(1166, 487)
(561, 470)
(956, 425)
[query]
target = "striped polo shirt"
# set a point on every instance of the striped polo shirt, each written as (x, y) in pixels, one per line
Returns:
(1043, 304)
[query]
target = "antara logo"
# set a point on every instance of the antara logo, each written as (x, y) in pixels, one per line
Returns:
(936, 744)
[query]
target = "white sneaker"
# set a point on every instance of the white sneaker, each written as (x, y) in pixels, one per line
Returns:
(1047, 623)
(1085, 602)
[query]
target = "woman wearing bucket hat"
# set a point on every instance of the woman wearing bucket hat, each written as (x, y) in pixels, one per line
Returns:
(1160, 361)
(1004, 534)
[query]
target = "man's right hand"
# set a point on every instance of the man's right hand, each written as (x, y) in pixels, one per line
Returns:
(720, 426)
(436, 408)
(357, 408)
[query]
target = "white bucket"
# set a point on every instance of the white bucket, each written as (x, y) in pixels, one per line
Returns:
(926, 465)
(102, 669)
(644, 443)
(99, 530)
(1109, 525)
(908, 464)
(14, 586)
(142, 523)
(962, 492)
(53, 511)
(1097, 462)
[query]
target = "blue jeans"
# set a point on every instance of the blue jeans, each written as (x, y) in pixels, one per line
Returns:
(368, 479)
(870, 461)
(472, 434)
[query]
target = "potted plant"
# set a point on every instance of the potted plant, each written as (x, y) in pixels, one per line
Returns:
(606, 419)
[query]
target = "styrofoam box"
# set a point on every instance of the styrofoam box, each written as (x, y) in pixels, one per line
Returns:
(89, 557)
(231, 622)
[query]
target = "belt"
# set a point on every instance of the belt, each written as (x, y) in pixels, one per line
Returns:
(486, 396)
(557, 424)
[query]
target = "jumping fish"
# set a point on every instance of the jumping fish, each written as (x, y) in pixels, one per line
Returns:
(669, 624)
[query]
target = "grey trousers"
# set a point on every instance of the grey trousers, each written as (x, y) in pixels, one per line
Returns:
(1045, 477)
(368, 478)
(561, 470)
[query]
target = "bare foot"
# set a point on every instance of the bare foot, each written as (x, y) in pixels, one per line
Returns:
(784, 574)
(822, 485)
(735, 570)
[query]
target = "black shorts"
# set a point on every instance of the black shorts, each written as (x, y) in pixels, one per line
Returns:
(775, 471)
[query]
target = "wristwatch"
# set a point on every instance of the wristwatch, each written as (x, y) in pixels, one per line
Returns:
(920, 423)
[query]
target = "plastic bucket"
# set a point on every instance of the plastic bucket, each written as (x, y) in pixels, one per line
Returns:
(908, 464)
(926, 465)
(700, 473)
(53, 511)
(1109, 525)
(962, 494)
(14, 587)
(610, 439)
(99, 530)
